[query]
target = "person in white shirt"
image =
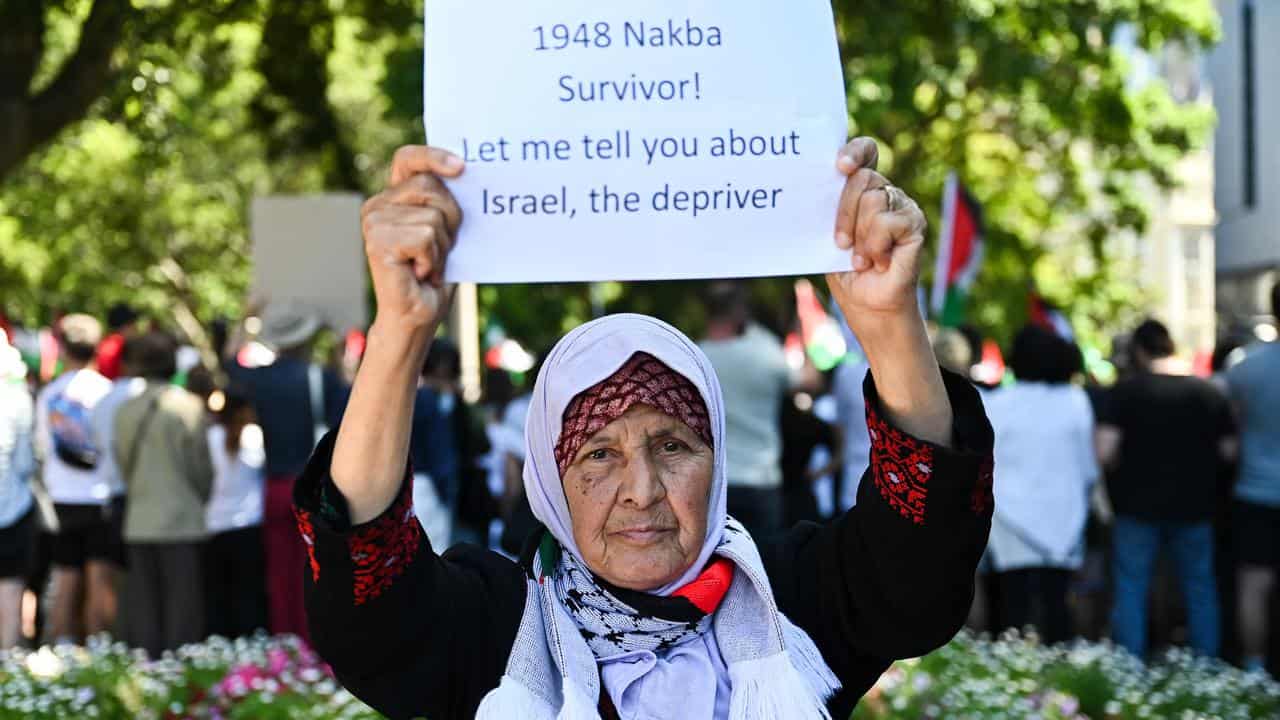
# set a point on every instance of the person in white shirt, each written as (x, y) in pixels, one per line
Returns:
(753, 373)
(103, 420)
(518, 519)
(498, 392)
(1045, 469)
(851, 413)
(235, 569)
(88, 547)
(17, 508)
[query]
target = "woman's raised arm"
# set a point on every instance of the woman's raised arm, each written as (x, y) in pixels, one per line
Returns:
(408, 230)
(884, 229)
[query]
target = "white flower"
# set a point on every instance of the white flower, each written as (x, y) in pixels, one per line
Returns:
(45, 663)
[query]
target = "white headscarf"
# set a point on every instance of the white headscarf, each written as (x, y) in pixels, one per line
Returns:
(584, 357)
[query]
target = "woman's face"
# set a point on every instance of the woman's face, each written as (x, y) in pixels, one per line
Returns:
(638, 492)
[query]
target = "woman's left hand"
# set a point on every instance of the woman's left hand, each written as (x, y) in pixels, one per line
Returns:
(883, 228)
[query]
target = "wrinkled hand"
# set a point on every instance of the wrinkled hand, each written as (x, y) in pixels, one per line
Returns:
(885, 242)
(408, 230)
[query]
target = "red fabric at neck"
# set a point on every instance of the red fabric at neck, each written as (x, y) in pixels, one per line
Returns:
(708, 589)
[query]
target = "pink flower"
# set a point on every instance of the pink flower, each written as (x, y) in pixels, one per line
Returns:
(277, 660)
(307, 656)
(240, 679)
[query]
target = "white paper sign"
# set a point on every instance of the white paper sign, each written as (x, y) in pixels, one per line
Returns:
(638, 140)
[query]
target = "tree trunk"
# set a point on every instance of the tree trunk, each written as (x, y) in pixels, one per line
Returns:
(29, 121)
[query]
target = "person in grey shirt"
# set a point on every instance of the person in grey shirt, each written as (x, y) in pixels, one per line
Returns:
(1254, 385)
(753, 374)
(160, 442)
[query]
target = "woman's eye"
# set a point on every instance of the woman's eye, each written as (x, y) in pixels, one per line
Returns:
(671, 446)
(600, 454)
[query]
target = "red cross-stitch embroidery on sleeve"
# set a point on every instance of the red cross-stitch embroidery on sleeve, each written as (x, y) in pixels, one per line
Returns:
(900, 467)
(382, 550)
(983, 500)
(308, 533)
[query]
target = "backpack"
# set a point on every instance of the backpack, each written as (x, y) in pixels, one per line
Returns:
(72, 433)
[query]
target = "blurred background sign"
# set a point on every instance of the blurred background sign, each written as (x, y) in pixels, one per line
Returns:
(307, 249)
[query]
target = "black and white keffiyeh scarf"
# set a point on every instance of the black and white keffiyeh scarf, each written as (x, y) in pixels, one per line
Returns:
(573, 628)
(611, 626)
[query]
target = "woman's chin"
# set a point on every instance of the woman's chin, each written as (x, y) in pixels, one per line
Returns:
(647, 573)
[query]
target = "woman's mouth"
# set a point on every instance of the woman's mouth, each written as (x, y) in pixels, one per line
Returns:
(642, 535)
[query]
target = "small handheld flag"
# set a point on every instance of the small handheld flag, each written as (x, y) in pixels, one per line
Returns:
(959, 253)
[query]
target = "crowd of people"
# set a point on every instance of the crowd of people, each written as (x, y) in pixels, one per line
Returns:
(146, 495)
(1145, 509)
(1106, 496)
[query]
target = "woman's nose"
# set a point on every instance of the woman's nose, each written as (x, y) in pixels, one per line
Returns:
(642, 485)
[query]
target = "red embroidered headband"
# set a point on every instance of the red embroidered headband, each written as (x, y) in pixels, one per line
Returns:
(643, 379)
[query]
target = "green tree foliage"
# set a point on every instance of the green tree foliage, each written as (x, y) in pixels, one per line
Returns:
(1036, 108)
(140, 190)
(208, 104)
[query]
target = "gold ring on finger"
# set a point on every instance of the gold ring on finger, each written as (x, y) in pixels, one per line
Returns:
(897, 199)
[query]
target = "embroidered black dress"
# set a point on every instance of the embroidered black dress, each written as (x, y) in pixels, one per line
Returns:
(414, 634)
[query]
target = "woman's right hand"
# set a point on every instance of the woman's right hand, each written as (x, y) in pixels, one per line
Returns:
(408, 230)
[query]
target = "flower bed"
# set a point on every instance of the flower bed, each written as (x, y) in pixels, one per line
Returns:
(280, 678)
(260, 679)
(1016, 677)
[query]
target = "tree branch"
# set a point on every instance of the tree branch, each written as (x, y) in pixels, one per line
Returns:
(21, 48)
(82, 80)
(184, 310)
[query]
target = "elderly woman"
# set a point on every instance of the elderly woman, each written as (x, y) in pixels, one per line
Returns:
(639, 597)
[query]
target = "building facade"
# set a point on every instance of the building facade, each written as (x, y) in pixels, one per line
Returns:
(1245, 73)
(1172, 262)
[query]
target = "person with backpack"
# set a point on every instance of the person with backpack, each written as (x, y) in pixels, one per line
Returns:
(161, 446)
(87, 549)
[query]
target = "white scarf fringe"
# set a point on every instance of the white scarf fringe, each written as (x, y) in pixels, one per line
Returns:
(807, 659)
(771, 687)
(576, 704)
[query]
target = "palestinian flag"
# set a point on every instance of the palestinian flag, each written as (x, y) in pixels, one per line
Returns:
(1045, 314)
(959, 253)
